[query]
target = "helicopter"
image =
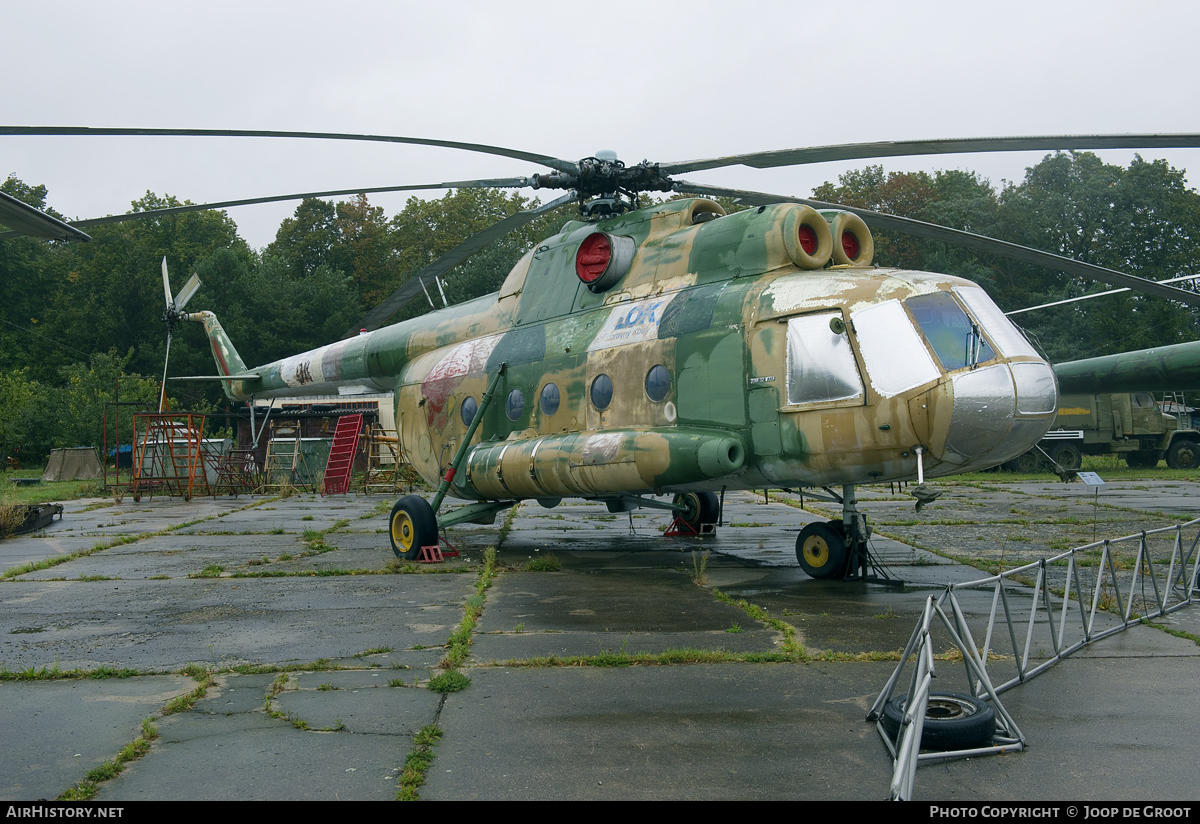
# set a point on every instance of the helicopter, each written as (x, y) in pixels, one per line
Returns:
(675, 349)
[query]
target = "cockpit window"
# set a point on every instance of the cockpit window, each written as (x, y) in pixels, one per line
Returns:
(820, 362)
(894, 357)
(1000, 329)
(955, 338)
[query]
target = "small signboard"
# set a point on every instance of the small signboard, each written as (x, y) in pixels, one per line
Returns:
(1091, 479)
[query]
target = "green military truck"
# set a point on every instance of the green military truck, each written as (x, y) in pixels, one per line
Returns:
(1132, 425)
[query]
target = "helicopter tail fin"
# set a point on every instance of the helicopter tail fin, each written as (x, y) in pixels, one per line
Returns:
(229, 362)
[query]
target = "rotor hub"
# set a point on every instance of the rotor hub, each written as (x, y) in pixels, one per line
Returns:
(605, 185)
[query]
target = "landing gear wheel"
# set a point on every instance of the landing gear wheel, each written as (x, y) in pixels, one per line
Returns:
(1029, 461)
(1067, 455)
(1183, 454)
(821, 550)
(1142, 459)
(952, 721)
(413, 525)
(702, 508)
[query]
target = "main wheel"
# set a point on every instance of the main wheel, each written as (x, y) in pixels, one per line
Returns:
(1142, 459)
(413, 525)
(1067, 455)
(952, 721)
(821, 550)
(702, 508)
(1029, 461)
(1183, 454)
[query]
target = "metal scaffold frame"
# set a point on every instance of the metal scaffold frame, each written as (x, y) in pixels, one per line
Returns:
(383, 451)
(1068, 613)
(168, 454)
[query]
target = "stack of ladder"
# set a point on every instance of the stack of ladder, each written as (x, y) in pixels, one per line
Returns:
(341, 455)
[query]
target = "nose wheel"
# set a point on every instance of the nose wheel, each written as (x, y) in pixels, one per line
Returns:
(839, 550)
(821, 550)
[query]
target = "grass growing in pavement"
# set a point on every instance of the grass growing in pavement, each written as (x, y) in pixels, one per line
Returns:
(1178, 633)
(100, 546)
(53, 673)
(547, 562)
(132, 751)
(790, 644)
(418, 762)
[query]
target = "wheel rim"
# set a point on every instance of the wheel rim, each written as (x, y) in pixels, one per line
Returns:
(816, 551)
(946, 708)
(402, 531)
(690, 515)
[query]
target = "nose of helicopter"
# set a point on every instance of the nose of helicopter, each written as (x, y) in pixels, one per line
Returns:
(999, 412)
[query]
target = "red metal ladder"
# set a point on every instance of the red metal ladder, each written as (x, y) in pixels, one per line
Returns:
(341, 455)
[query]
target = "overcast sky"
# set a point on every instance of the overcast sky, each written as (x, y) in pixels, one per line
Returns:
(658, 80)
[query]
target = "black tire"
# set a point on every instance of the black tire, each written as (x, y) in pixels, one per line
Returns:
(821, 550)
(1030, 461)
(703, 508)
(1142, 459)
(412, 526)
(1183, 454)
(1066, 455)
(952, 721)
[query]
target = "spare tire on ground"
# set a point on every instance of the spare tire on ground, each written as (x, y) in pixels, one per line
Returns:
(952, 721)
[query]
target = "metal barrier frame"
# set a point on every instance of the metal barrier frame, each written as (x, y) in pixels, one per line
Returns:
(1174, 593)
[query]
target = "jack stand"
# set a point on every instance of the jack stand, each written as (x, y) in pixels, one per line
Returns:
(681, 528)
(862, 564)
(452, 551)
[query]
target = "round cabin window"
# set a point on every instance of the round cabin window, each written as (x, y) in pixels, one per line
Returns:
(602, 391)
(658, 383)
(514, 405)
(550, 399)
(468, 409)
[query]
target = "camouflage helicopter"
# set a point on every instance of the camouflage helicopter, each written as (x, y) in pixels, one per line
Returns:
(674, 349)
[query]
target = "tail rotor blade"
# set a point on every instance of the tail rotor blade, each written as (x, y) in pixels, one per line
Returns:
(166, 281)
(185, 294)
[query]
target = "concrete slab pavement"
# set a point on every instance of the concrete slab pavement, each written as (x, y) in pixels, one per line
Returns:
(277, 725)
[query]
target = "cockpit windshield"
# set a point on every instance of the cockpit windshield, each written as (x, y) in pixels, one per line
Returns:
(955, 338)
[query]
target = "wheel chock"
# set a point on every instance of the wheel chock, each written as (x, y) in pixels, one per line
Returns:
(430, 555)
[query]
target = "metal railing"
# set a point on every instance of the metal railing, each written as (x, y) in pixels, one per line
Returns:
(1063, 616)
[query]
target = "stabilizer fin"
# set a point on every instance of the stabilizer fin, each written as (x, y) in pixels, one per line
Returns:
(229, 362)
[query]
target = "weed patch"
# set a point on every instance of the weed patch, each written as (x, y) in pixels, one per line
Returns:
(549, 562)
(417, 764)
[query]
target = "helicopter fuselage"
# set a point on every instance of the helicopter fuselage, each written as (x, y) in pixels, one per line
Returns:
(709, 360)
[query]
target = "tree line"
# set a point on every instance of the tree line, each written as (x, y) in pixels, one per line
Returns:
(77, 315)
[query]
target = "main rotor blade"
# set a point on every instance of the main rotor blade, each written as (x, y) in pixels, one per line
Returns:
(907, 148)
(967, 240)
(1093, 295)
(497, 183)
(544, 160)
(24, 219)
(414, 285)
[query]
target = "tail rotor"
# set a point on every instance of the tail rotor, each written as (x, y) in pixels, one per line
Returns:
(173, 316)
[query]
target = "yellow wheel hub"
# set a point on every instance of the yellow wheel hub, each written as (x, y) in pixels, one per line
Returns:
(402, 531)
(816, 551)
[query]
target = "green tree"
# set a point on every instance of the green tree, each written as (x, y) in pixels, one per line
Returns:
(1142, 220)
(27, 274)
(108, 293)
